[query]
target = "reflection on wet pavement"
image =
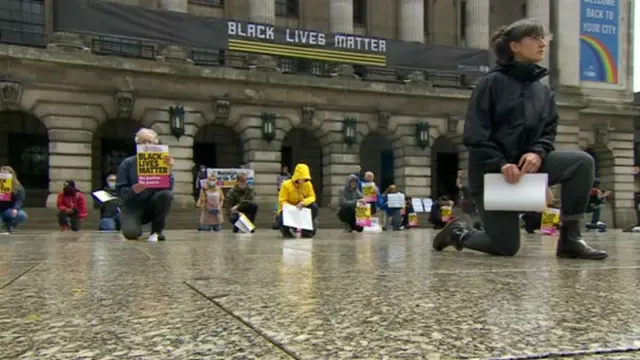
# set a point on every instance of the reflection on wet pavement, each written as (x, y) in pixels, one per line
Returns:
(339, 296)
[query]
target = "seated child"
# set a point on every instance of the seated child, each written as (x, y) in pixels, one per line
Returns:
(210, 201)
(394, 215)
(437, 216)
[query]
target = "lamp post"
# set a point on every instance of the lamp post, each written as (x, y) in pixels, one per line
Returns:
(268, 126)
(422, 134)
(176, 121)
(349, 131)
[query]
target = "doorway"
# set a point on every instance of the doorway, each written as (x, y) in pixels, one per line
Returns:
(447, 173)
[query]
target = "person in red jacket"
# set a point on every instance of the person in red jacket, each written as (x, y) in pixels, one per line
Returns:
(72, 207)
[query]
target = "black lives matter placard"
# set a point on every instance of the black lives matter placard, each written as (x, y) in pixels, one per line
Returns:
(153, 170)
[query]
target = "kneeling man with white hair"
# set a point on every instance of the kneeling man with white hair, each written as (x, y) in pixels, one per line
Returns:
(141, 205)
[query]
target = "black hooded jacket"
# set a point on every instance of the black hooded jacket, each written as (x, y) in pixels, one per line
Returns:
(510, 113)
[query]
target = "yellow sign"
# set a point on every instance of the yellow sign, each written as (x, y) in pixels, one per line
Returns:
(445, 213)
(363, 215)
(413, 219)
(153, 170)
(369, 192)
(6, 183)
(550, 221)
(345, 57)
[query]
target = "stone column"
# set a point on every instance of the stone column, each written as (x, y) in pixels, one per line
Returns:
(174, 5)
(567, 41)
(341, 21)
(338, 161)
(477, 32)
(182, 152)
(541, 10)
(263, 12)
(411, 23)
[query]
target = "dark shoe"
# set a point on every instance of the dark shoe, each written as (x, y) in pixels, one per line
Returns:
(571, 245)
(161, 237)
(477, 225)
(451, 235)
(235, 229)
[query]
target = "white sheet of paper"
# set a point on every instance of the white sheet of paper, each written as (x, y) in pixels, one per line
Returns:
(244, 224)
(295, 218)
(395, 201)
(529, 194)
(428, 203)
(103, 196)
(417, 205)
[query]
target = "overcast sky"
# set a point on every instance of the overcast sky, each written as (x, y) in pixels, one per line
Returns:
(636, 51)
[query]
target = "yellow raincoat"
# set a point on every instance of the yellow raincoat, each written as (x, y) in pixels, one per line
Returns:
(292, 193)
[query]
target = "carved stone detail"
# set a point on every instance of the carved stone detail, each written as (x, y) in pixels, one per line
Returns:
(222, 108)
(452, 123)
(174, 54)
(10, 93)
(124, 104)
(67, 42)
(307, 113)
(383, 119)
(601, 135)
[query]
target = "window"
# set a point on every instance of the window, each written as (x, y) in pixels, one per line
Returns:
(359, 12)
(111, 45)
(463, 19)
(287, 8)
(219, 3)
(22, 22)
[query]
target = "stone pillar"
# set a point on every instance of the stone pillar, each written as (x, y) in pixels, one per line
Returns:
(412, 165)
(263, 12)
(338, 162)
(477, 32)
(567, 41)
(174, 5)
(341, 21)
(411, 25)
(541, 10)
(622, 178)
(180, 149)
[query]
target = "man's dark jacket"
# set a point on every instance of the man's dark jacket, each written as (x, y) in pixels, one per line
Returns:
(510, 113)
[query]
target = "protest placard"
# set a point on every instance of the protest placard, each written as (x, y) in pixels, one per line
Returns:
(445, 213)
(226, 178)
(369, 192)
(363, 215)
(550, 220)
(413, 219)
(153, 170)
(6, 183)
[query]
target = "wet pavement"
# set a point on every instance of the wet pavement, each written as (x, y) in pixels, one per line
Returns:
(339, 296)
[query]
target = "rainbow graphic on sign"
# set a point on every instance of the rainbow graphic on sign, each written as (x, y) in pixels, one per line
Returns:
(604, 59)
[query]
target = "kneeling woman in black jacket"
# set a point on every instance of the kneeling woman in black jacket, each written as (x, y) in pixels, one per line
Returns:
(510, 128)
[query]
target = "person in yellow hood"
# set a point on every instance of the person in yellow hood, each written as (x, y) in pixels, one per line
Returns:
(298, 191)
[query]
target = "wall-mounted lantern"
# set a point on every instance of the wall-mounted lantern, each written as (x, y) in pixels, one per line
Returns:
(422, 134)
(176, 121)
(349, 130)
(268, 126)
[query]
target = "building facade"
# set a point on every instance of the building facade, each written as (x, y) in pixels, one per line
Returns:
(72, 102)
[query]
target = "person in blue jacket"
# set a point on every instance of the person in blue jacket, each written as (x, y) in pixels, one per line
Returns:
(11, 211)
(394, 215)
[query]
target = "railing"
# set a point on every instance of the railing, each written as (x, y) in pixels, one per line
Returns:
(115, 46)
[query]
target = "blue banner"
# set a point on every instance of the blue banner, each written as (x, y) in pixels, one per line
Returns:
(599, 40)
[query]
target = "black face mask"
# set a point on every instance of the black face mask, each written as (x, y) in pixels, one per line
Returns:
(69, 191)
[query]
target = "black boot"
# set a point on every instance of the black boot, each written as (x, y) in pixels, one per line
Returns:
(451, 234)
(571, 245)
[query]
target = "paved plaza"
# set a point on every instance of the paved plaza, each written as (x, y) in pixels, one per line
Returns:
(340, 296)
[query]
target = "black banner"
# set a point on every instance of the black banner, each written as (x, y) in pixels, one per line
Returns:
(108, 18)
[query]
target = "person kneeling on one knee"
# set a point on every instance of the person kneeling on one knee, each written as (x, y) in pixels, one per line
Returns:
(110, 210)
(72, 207)
(350, 196)
(11, 212)
(503, 138)
(142, 205)
(298, 191)
(241, 200)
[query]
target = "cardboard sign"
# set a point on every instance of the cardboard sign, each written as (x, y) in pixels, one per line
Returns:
(6, 183)
(153, 170)
(550, 219)
(445, 212)
(369, 192)
(413, 219)
(363, 215)
(226, 178)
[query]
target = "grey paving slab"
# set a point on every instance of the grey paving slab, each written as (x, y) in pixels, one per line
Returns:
(339, 296)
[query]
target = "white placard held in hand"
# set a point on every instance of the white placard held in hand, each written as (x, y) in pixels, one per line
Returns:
(528, 194)
(103, 196)
(297, 219)
(244, 224)
(395, 201)
(417, 205)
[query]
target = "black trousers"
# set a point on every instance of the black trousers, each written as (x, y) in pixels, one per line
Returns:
(155, 211)
(347, 215)
(573, 169)
(249, 210)
(70, 220)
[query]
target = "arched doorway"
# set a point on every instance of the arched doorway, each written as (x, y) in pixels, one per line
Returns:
(217, 146)
(301, 146)
(112, 143)
(24, 145)
(376, 155)
(445, 163)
